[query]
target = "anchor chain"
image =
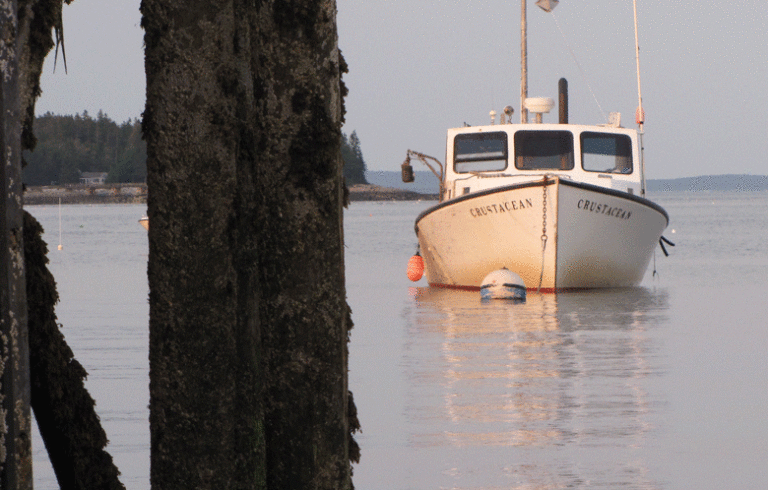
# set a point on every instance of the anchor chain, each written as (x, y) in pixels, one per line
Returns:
(543, 232)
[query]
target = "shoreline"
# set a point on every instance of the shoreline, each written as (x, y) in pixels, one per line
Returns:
(86, 194)
(370, 192)
(137, 194)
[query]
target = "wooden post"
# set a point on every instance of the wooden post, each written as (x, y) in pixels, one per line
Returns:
(15, 436)
(206, 420)
(248, 315)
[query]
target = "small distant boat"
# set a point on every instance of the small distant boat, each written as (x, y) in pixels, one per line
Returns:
(144, 221)
(562, 205)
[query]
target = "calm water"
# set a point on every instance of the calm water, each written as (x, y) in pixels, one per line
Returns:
(664, 386)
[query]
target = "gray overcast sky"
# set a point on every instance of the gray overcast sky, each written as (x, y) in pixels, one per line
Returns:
(418, 67)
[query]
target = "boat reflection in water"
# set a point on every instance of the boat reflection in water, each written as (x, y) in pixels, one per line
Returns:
(550, 392)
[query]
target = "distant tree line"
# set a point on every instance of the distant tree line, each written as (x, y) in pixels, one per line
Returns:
(70, 145)
(67, 146)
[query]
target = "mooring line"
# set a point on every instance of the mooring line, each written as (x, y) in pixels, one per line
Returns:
(543, 233)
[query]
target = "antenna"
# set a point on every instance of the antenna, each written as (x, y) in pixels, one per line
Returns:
(640, 113)
(523, 65)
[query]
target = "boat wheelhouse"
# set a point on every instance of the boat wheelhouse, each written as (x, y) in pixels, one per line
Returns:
(485, 157)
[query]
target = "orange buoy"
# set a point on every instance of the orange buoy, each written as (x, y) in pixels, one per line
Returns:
(415, 268)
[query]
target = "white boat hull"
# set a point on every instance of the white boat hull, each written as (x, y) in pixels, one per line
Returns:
(589, 237)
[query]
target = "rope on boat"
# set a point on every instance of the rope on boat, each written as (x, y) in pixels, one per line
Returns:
(662, 241)
(543, 232)
(578, 65)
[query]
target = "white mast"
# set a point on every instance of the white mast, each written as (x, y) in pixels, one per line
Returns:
(546, 6)
(640, 113)
(523, 65)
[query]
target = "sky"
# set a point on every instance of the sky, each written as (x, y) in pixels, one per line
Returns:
(419, 67)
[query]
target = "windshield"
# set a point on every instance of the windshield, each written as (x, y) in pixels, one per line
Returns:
(609, 153)
(544, 150)
(480, 152)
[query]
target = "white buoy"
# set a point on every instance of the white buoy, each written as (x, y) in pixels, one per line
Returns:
(503, 284)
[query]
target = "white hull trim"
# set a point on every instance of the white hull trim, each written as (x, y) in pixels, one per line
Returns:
(589, 237)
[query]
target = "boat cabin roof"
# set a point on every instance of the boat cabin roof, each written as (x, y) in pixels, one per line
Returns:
(481, 157)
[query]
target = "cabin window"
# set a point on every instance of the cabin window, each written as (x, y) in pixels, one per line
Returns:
(608, 153)
(480, 152)
(544, 150)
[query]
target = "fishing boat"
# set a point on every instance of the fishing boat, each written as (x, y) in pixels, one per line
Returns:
(562, 205)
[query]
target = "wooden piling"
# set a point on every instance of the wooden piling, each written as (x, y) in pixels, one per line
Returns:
(15, 426)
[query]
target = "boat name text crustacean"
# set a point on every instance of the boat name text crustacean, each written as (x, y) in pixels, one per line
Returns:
(603, 209)
(500, 208)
